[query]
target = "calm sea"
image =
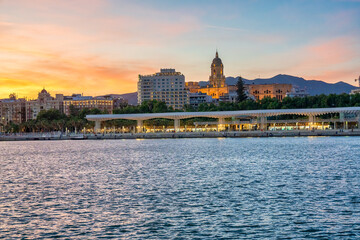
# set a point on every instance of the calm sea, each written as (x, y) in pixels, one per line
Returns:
(266, 188)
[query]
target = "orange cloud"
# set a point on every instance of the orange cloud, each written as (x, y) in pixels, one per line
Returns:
(72, 75)
(74, 58)
(29, 65)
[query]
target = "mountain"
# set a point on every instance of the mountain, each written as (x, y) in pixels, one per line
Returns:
(313, 87)
(130, 97)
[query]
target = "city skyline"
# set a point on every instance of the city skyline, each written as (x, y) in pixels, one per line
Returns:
(98, 47)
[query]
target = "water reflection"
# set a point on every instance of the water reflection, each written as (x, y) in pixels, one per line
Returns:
(185, 188)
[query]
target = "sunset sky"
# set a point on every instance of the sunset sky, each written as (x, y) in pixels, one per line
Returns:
(100, 46)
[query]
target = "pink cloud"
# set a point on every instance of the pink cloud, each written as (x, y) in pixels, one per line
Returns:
(347, 75)
(332, 52)
(329, 60)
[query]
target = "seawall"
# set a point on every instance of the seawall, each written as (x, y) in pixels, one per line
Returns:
(245, 134)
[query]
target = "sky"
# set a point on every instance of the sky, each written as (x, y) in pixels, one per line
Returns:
(99, 47)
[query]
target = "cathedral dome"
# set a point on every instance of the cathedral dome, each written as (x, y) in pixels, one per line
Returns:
(217, 61)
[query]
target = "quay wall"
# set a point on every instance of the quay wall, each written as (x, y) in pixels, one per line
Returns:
(244, 134)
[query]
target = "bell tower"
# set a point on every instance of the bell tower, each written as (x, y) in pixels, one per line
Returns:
(217, 78)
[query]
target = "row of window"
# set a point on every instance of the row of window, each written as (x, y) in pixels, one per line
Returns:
(88, 102)
(267, 91)
(159, 79)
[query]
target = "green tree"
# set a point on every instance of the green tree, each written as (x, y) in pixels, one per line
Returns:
(73, 110)
(241, 96)
(51, 114)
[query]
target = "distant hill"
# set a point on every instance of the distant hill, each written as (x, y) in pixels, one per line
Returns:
(130, 97)
(313, 87)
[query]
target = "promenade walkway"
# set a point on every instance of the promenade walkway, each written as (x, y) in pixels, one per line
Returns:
(260, 118)
(231, 134)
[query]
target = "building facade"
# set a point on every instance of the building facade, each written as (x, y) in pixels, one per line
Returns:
(12, 110)
(355, 91)
(81, 102)
(44, 102)
(118, 100)
(297, 92)
(167, 86)
(278, 91)
(198, 98)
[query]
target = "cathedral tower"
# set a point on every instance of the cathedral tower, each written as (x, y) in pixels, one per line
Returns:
(217, 78)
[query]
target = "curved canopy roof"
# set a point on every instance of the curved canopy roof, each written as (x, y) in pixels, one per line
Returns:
(225, 114)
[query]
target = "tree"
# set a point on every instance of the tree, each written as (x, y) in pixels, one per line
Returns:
(73, 110)
(241, 96)
(49, 115)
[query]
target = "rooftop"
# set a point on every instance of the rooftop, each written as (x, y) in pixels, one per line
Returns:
(164, 72)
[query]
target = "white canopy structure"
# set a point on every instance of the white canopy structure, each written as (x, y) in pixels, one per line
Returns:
(221, 115)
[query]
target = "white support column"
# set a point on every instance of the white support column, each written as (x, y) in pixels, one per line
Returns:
(342, 119)
(311, 121)
(342, 116)
(221, 124)
(263, 123)
(177, 125)
(140, 125)
(311, 118)
(97, 127)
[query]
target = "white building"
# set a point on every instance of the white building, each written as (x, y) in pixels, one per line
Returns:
(167, 86)
(198, 98)
(297, 92)
(355, 91)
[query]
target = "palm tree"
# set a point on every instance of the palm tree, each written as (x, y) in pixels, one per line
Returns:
(60, 124)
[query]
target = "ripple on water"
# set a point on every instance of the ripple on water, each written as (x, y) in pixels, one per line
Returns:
(281, 188)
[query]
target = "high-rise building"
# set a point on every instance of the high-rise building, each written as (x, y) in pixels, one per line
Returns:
(44, 102)
(167, 86)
